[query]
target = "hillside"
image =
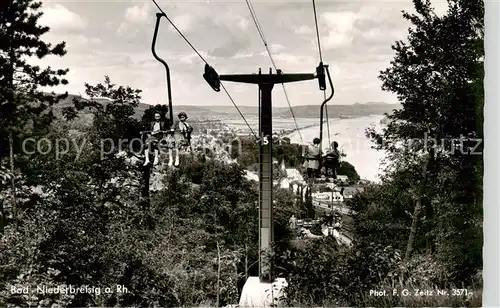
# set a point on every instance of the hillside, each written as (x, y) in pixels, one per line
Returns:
(194, 112)
(229, 112)
(303, 111)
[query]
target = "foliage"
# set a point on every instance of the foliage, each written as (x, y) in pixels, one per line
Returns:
(346, 168)
(23, 106)
(438, 77)
(382, 212)
(322, 273)
(188, 234)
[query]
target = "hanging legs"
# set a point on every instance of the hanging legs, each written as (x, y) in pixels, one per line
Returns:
(146, 155)
(173, 145)
(151, 144)
(155, 160)
(170, 159)
(176, 163)
(169, 144)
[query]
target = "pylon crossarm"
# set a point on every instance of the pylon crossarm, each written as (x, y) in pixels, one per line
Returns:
(265, 78)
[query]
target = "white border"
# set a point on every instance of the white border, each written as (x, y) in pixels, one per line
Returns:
(491, 180)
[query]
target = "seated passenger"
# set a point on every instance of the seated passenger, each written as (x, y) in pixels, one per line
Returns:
(331, 160)
(157, 127)
(184, 129)
(312, 159)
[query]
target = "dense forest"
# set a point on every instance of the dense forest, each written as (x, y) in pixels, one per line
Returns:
(78, 217)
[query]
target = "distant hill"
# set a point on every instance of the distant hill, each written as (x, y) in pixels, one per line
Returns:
(304, 111)
(229, 112)
(194, 112)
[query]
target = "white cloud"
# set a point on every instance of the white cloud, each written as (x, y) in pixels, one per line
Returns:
(133, 15)
(95, 40)
(138, 14)
(243, 23)
(124, 30)
(373, 33)
(277, 48)
(188, 59)
(58, 17)
(340, 27)
(303, 30)
(337, 40)
(243, 55)
(230, 20)
(82, 40)
(292, 60)
(184, 23)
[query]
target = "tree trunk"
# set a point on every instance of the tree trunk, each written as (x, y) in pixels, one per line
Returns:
(434, 167)
(417, 210)
(146, 176)
(10, 100)
(2, 217)
(13, 180)
(246, 262)
(2, 212)
(218, 273)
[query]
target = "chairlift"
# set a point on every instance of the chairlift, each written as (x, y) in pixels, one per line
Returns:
(167, 141)
(320, 74)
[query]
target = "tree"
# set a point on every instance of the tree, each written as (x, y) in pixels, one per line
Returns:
(437, 76)
(21, 100)
(347, 169)
(113, 130)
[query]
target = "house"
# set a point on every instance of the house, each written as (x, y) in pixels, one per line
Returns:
(364, 182)
(290, 177)
(294, 175)
(293, 179)
(337, 196)
(343, 178)
(349, 192)
(322, 197)
(330, 185)
(327, 198)
(252, 176)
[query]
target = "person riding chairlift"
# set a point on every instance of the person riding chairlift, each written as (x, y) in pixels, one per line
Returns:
(312, 159)
(185, 129)
(157, 127)
(331, 160)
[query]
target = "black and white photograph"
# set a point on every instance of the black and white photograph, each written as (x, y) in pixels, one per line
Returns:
(242, 153)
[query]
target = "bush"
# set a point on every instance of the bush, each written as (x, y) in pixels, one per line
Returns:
(325, 274)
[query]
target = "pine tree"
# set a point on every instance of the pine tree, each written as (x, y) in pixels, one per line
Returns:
(22, 103)
(21, 99)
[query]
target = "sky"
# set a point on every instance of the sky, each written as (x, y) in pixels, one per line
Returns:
(113, 38)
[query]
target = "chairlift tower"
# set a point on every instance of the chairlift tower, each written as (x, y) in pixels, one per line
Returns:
(257, 290)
